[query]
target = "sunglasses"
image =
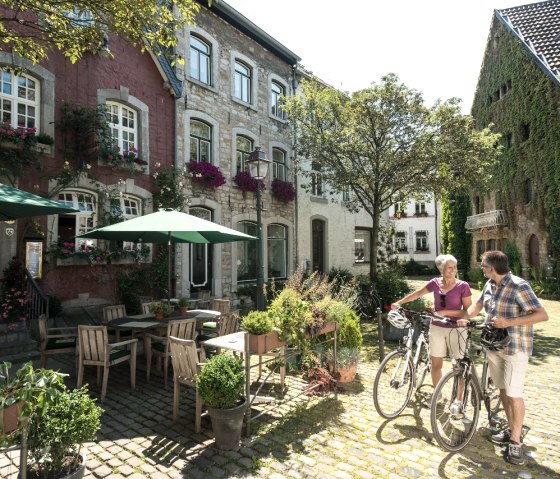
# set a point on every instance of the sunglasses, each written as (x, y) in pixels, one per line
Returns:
(442, 300)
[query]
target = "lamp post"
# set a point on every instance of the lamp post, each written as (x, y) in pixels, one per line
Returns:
(258, 168)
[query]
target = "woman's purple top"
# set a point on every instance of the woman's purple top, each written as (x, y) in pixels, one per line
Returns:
(453, 298)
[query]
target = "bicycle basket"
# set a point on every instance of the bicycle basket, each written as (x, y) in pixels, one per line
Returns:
(397, 318)
(494, 339)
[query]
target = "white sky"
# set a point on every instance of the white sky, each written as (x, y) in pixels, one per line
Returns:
(434, 46)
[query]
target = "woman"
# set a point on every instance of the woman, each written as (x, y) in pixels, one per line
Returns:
(452, 297)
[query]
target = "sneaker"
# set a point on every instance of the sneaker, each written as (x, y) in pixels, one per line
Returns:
(428, 402)
(515, 454)
(456, 407)
(501, 437)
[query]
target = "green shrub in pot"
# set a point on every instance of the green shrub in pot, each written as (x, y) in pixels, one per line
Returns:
(221, 381)
(257, 322)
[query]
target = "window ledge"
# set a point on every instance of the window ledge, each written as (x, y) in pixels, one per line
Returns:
(243, 103)
(318, 199)
(201, 84)
(278, 119)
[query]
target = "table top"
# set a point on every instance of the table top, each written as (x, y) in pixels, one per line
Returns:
(143, 322)
(233, 342)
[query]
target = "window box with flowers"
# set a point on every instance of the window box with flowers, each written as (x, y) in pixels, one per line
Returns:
(19, 137)
(245, 182)
(112, 155)
(283, 190)
(66, 252)
(205, 174)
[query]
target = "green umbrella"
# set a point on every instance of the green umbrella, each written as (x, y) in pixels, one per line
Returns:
(16, 204)
(168, 226)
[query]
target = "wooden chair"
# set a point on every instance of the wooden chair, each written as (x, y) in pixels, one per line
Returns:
(116, 311)
(186, 366)
(55, 340)
(221, 305)
(210, 328)
(94, 349)
(158, 346)
(226, 324)
(204, 298)
(146, 307)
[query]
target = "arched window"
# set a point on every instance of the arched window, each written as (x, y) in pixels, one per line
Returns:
(200, 254)
(242, 82)
(316, 179)
(19, 99)
(243, 148)
(126, 207)
(201, 141)
(247, 253)
(123, 124)
(72, 224)
(279, 164)
(277, 93)
(200, 60)
(277, 247)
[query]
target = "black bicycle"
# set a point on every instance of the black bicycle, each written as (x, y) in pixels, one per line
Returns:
(454, 414)
(404, 369)
(367, 303)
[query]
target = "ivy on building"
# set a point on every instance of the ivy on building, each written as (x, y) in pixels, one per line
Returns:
(454, 212)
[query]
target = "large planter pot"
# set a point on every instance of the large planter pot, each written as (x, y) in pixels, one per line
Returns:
(327, 328)
(263, 343)
(78, 473)
(344, 374)
(9, 419)
(227, 425)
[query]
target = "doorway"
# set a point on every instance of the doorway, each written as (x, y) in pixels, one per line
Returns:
(200, 257)
(318, 245)
(534, 256)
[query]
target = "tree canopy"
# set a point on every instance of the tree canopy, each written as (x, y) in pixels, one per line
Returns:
(30, 28)
(385, 146)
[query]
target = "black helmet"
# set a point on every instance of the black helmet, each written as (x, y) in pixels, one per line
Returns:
(493, 338)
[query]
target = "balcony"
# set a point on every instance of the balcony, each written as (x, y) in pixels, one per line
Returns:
(489, 220)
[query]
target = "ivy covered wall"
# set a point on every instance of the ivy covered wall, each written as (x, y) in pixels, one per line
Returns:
(523, 102)
(454, 238)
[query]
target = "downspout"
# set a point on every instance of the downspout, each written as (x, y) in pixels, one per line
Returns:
(436, 226)
(296, 209)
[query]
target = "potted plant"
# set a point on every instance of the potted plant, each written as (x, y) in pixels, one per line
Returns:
(221, 383)
(161, 309)
(59, 420)
(262, 335)
(291, 316)
(183, 305)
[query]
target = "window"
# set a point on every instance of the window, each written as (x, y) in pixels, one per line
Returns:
(243, 148)
(19, 99)
(277, 251)
(201, 142)
(479, 249)
(400, 242)
(242, 82)
(72, 224)
(80, 18)
(127, 208)
(123, 124)
(316, 179)
(362, 246)
(422, 241)
(200, 254)
(491, 244)
(278, 164)
(420, 209)
(525, 131)
(346, 194)
(247, 253)
(508, 138)
(529, 195)
(277, 92)
(200, 60)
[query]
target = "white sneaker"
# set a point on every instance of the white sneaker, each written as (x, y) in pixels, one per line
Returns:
(456, 408)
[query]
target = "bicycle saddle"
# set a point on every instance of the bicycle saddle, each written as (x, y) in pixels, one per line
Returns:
(494, 339)
(397, 318)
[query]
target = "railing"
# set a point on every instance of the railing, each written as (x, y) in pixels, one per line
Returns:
(488, 220)
(38, 301)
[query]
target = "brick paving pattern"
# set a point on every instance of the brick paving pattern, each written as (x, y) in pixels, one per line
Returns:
(322, 438)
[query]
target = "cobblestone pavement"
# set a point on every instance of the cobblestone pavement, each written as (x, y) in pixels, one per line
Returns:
(324, 437)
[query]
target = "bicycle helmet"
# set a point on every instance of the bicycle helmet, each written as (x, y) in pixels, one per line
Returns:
(397, 318)
(494, 339)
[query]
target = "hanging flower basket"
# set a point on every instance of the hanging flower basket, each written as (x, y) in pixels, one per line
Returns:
(245, 182)
(205, 174)
(283, 191)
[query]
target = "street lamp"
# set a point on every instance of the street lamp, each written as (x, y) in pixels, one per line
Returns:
(258, 168)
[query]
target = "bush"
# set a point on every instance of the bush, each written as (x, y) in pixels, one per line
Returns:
(257, 322)
(221, 381)
(390, 284)
(413, 268)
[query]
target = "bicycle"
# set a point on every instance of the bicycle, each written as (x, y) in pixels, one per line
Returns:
(403, 369)
(367, 303)
(454, 425)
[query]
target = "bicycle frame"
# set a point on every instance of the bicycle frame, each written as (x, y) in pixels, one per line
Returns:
(408, 347)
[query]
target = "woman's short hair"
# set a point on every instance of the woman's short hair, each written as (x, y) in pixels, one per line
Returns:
(442, 259)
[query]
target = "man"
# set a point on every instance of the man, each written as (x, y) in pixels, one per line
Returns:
(509, 302)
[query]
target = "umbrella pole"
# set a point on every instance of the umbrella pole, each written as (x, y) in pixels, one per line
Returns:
(169, 266)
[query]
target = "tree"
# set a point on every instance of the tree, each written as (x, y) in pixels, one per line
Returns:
(453, 236)
(30, 28)
(384, 146)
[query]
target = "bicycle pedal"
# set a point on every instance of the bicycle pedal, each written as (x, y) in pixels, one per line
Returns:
(524, 431)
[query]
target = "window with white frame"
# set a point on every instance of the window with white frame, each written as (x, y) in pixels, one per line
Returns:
(316, 180)
(247, 253)
(243, 148)
(72, 224)
(346, 194)
(126, 207)
(242, 82)
(80, 18)
(362, 246)
(400, 242)
(201, 141)
(277, 246)
(421, 240)
(420, 208)
(277, 94)
(200, 60)
(123, 124)
(19, 99)
(278, 164)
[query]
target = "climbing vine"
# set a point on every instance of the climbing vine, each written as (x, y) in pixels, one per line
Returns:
(454, 215)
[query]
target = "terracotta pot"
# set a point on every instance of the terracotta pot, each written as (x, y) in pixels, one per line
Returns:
(159, 315)
(183, 310)
(10, 417)
(344, 374)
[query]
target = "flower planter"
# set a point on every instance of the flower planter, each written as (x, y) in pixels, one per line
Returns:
(262, 343)
(227, 425)
(183, 310)
(327, 328)
(9, 419)
(344, 374)
(159, 315)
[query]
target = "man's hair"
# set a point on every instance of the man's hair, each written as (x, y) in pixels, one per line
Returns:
(442, 259)
(497, 260)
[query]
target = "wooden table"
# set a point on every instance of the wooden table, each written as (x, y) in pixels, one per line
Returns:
(144, 322)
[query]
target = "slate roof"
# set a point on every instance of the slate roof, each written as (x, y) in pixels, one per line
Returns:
(537, 25)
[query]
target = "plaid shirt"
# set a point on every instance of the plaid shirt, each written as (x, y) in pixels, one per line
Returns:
(511, 298)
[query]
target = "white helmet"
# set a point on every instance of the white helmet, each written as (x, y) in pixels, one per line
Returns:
(397, 318)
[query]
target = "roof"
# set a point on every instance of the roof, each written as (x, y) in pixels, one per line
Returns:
(537, 26)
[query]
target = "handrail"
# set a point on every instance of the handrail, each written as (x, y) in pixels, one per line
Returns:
(487, 220)
(38, 303)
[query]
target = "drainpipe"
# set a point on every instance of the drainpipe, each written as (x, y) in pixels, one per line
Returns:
(296, 216)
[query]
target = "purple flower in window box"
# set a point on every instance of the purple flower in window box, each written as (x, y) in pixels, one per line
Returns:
(245, 182)
(283, 191)
(205, 174)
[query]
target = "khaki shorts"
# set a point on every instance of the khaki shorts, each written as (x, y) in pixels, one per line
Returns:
(508, 371)
(444, 340)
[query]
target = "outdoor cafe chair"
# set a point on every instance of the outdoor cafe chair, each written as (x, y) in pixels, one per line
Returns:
(94, 349)
(210, 328)
(55, 340)
(186, 360)
(159, 346)
(116, 311)
(146, 307)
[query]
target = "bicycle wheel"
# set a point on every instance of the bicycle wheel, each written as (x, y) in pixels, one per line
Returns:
(454, 429)
(393, 385)
(492, 401)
